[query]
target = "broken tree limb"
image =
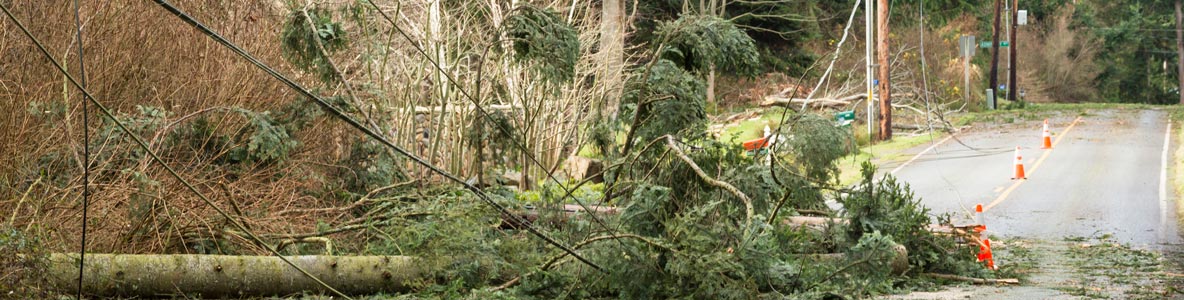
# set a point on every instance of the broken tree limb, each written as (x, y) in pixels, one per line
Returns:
(749, 211)
(778, 100)
(973, 280)
(218, 276)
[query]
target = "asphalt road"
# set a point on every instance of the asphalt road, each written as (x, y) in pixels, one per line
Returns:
(1105, 175)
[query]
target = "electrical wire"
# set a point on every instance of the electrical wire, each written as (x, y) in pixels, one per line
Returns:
(485, 114)
(155, 157)
(367, 131)
(85, 147)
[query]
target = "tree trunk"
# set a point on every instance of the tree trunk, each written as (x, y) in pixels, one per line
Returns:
(217, 276)
(612, 52)
(1180, 49)
(885, 74)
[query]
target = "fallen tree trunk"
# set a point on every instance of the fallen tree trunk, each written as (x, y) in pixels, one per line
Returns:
(219, 276)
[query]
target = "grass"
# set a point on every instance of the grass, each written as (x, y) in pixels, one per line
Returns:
(752, 129)
(893, 150)
(1036, 111)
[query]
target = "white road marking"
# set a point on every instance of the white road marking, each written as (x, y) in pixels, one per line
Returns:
(915, 157)
(1163, 182)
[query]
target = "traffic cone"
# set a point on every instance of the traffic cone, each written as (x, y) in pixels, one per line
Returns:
(980, 226)
(1019, 165)
(985, 255)
(1047, 136)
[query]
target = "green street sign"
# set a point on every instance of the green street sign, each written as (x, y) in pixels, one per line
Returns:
(987, 44)
(844, 118)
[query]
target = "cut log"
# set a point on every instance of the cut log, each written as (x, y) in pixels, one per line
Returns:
(899, 261)
(812, 222)
(219, 276)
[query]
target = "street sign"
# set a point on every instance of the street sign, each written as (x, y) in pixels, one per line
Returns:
(844, 118)
(966, 46)
(1021, 17)
(987, 44)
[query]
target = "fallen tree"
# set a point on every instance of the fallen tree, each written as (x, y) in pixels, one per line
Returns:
(219, 276)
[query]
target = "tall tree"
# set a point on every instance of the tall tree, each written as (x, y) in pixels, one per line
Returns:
(1180, 50)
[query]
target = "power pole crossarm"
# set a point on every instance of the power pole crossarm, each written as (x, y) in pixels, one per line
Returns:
(885, 74)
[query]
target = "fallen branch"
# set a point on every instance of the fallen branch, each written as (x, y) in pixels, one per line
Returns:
(972, 279)
(748, 209)
(778, 100)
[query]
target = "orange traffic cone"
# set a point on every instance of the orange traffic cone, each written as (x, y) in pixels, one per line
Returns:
(1019, 165)
(985, 255)
(980, 226)
(1047, 136)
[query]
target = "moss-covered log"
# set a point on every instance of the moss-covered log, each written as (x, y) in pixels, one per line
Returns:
(230, 276)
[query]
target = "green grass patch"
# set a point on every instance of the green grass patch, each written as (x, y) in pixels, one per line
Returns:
(1037, 111)
(893, 150)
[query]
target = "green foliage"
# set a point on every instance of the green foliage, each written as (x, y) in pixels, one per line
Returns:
(543, 40)
(668, 100)
(127, 153)
(370, 166)
(458, 240)
(873, 257)
(816, 144)
(496, 133)
(266, 140)
(888, 207)
(20, 266)
(698, 42)
(299, 41)
(51, 110)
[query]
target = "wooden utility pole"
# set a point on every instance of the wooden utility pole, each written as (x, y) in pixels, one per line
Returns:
(1012, 88)
(994, 80)
(1180, 50)
(885, 75)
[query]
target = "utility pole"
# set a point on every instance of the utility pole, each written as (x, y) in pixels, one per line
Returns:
(1180, 50)
(869, 15)
(1007, 55)
(994, 80)
(1012, 88)
(885, 75)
